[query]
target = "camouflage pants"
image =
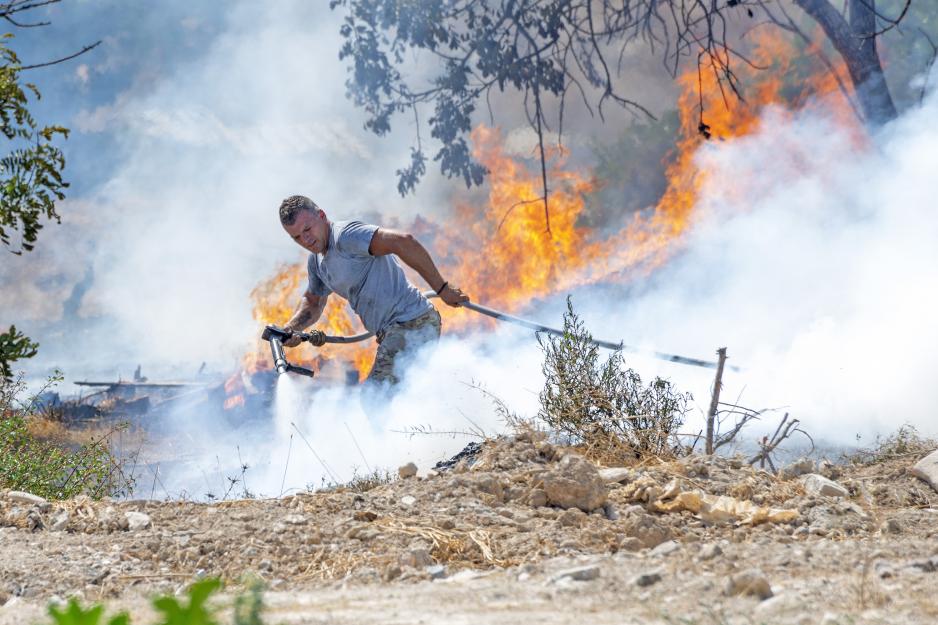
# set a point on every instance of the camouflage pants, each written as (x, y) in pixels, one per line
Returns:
(401, 339)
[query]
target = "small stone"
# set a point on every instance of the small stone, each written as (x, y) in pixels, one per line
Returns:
(447, 524)
(709, 552)
(579, 574)
(137, 520)
(392, 572)
(408, 500)
(615, 475)
(574, 517)
(408, 470)
(828, 469)
(892, 526)
(646, 579)
(610, 512)
(537, 498)
(266, 565)
(294, 519)
(630, 543)
(926, 469)
(801, 466)
(575, 483)
(366, 516)
(819, 485)
(435, 571)
(750, 583)
(24, 497)
(417, 558)
(665, 548)
(34, 521)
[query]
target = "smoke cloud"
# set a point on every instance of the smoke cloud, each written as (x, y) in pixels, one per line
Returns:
(811, 258)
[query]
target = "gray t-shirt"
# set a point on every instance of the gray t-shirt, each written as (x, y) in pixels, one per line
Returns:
(375, 286)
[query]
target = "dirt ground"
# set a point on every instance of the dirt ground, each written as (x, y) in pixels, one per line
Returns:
(504, 540)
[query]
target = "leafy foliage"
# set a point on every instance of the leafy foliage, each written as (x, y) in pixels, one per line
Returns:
(195, 611)
(605, 403)
(31, 172)
(73, 614)
(47, 469)
(14, 346)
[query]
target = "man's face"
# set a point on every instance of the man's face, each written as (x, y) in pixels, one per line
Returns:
(310, 230)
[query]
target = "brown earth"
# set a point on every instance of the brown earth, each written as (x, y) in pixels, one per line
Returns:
(505, 541)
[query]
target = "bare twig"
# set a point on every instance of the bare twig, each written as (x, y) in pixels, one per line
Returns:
(61, 60)
(715, 399)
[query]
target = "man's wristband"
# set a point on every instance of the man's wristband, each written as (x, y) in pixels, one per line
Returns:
(442, 288)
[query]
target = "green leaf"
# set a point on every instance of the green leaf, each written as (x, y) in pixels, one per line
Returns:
(195, 613)
(74, 614)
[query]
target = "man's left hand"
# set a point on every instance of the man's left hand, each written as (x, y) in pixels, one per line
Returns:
(453, 296)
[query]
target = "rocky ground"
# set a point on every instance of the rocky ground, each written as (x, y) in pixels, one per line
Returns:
(524, 531)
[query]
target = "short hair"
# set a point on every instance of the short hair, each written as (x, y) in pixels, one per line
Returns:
(291, 207)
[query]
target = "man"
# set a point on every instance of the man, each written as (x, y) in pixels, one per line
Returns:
(355, 261)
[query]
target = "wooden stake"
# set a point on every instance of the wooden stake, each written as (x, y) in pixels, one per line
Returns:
(715, 399)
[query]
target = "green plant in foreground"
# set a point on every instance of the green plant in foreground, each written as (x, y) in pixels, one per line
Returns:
(73, 614)
(195, 612)
(174, 612)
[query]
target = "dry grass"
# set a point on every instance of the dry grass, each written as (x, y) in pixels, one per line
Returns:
(475, 547)
(866, 589)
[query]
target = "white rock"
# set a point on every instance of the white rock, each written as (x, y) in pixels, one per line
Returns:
(579, 574)
(801, 466)
(59, 521)
(137, 520)
(709, 551)
(408, 470)
(23, 497)
(815, 484)
(927, 469)
(615, 475)
(436, 571)
(467, 575)
(668, 546)
(295, 519)
(408, 500)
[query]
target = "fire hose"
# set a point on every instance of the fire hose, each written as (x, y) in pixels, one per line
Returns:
(277, 336)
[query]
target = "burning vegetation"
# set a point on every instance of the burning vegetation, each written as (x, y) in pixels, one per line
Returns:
(518, 256)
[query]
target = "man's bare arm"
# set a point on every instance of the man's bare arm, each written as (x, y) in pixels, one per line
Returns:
(415, 256)
(307, 313)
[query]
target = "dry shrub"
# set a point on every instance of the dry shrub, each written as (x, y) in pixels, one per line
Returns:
(904, 444)
(603, 405)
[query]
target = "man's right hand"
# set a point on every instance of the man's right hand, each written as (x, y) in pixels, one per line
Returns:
(294, 340)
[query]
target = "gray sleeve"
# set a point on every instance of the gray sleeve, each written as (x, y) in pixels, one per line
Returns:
(355, 238)
(316, 285)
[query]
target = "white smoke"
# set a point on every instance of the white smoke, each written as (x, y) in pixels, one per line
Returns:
(812, 258)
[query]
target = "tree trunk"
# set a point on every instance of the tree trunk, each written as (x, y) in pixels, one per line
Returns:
(856, 44)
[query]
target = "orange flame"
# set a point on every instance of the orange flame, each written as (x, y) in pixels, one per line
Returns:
(502, 253)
